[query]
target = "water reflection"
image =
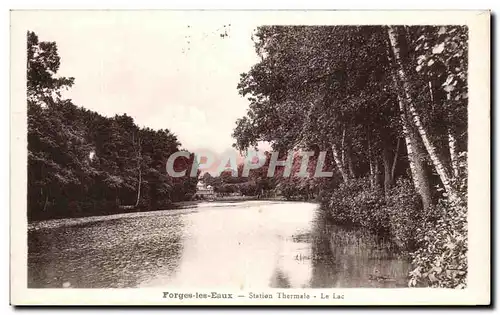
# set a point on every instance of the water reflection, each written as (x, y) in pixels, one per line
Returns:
(279, 279)
(324, 268)
(354, 258)
(246, 245)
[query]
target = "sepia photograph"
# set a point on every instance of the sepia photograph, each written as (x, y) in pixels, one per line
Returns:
(232, 157)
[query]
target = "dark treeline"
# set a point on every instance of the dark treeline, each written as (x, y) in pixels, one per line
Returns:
(81, 163)
(389, 104)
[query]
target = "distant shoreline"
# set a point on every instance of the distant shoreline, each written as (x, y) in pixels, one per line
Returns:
(183, 204)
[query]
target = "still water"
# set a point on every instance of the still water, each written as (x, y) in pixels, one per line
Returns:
(243, 245)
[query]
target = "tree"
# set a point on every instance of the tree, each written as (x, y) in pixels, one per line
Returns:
(315, 85)
(310, 80)
(415, 116)
(43, 62)
(81, 163)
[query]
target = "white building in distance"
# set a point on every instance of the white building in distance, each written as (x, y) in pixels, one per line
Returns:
(204, 191)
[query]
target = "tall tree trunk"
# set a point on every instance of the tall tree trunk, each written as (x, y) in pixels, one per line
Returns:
(371, 159)
(45, 204)
(338, 162)
(422, 176)
(372, 172)
(343, 145)
(117, 198)
(417, 165)
(139, 157)
(388, 178)
(347, 154)
(139, 188)
(415, 117)
(394, 163)
(378, 174)
(404, 124)
(350, 163)
(452, 142)
(417, 169)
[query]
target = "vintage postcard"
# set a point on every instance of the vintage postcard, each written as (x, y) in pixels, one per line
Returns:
(165, 157)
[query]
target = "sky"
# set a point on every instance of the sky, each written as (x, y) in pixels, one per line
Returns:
(166, 70)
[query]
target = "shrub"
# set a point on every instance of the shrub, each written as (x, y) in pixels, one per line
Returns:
(441, 258)
(395, 216)
(404, 210)
(356, 203)
(369, 211)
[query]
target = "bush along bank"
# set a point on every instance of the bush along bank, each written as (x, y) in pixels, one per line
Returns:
(435, 240)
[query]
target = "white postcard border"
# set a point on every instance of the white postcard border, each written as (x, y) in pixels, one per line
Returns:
(478, 289)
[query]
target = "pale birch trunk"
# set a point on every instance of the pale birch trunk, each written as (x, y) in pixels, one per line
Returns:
(404, 125)
(417, 167)
(350, 164)
(338, 162)
(372, 168)
(343, 146)
(347, 154)
(395, 162)
(452, 142)
(409, 144)
(415, 117)
(138, 155)
(139, 188)
(413, 149)
(373, 175)
(418, 155)
(45, 204)
(378, 177)
(388, 174)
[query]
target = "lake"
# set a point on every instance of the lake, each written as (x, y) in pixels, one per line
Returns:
(240, 245)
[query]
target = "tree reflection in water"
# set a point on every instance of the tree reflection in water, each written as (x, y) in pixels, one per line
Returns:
(324, 269)
(353, 258)
(279, 279)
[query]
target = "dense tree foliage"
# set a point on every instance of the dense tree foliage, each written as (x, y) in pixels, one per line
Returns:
(389, 105)
(81, 163)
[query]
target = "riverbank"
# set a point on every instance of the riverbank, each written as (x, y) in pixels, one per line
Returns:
(130, 211)
(56, 223)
